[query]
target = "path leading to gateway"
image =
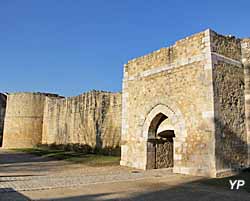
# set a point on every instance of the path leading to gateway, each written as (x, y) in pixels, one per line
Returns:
(28, 177)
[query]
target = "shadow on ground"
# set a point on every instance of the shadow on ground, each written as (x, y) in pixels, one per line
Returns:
(19, 158)
(200, 190)
(45, 161)
(23, 164)
(9, 194)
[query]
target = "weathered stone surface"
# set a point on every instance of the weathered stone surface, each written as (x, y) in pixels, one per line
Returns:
(2, 115)
(198, 84)
(198, 90)
(230, 133)
(228, 46)
(24, 119)
(186, 90)
(93, 119)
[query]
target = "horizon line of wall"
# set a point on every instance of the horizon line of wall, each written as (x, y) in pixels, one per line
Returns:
(32, 118)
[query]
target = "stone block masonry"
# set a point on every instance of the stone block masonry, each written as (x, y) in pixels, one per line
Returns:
(200, 85)
(24, 119)
(186, 106)
(93, 119)
(229, 103)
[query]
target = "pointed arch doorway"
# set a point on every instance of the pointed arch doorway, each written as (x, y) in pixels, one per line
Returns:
(164, 132)
(160, 144)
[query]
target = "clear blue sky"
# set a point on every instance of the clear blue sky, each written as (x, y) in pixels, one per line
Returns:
(72, 46)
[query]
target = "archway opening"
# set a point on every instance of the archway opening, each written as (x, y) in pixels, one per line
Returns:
(160, 145)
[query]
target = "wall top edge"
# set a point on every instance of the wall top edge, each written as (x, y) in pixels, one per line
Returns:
(207, 31)
(93, 92)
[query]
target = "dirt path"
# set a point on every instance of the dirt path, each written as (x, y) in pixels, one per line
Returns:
(26, 177)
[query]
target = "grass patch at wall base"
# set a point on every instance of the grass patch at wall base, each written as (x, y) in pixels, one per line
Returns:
(86, 159)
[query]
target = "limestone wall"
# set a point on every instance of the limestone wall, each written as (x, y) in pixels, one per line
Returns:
(229, 100)
(228, 46)
(24, 120)
(231, 141)
(93, 118)
(2, 114)
(181, 51)
(180, 81)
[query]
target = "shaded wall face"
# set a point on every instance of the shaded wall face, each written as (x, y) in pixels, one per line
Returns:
(93, 119)
(229, 103)
(231, 142)
(23, 120)
(182, 81)
(2, 115)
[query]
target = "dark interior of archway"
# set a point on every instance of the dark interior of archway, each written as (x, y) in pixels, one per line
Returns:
(166, 134)
(159, 118)
(160, 146)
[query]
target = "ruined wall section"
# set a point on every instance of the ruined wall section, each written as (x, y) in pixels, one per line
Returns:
(229, 103)
(93, 119)
(164, 77)
(24, 120)
(3, 99)
(245, 50)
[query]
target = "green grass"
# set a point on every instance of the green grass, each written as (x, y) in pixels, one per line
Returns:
(87, 159)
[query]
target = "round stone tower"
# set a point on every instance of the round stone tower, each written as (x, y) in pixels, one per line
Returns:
(24, 119)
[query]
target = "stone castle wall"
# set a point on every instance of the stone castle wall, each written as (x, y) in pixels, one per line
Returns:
(199, 88)
(93, 119)
(24, 120)
(229, 101)
(178, 78)
(204, 81)
(228, 46)
(2, 115)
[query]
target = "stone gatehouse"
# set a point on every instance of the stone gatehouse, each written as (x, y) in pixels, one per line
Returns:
(187, 106)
